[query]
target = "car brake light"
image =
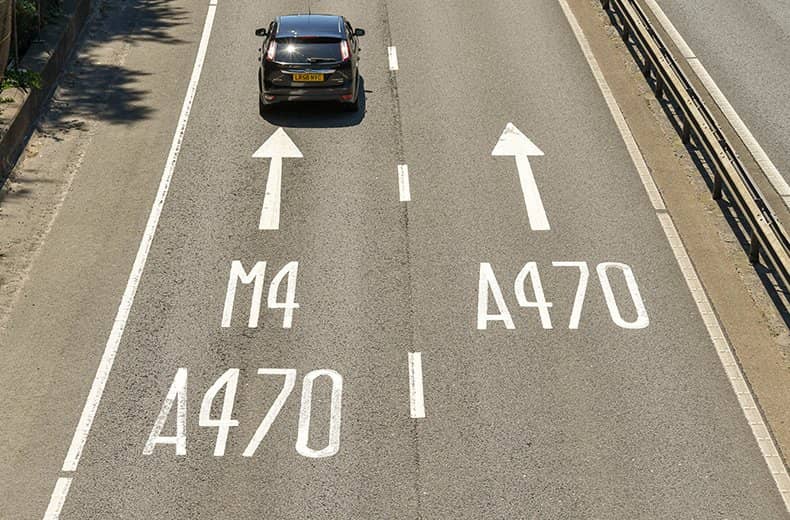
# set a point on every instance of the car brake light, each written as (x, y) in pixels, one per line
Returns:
(271, 50)
(344, 50)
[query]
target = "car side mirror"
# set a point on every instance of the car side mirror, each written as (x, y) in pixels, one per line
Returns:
(261, 32)
(359, 32)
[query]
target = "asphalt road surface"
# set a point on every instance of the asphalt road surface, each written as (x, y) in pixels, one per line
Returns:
(609, 405)
(742, 45)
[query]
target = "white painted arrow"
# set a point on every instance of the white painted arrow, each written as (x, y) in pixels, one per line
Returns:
(276, 147)
(513, 143)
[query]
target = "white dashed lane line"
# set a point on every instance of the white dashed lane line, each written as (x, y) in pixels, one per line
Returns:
(403, 183)
(416, 397)
(392, 52)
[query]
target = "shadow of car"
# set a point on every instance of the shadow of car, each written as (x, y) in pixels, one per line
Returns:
(316, 114)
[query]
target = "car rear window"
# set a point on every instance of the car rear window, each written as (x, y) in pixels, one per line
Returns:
(301, 50)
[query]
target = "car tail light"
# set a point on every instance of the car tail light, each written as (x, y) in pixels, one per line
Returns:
(271, 50)
(344, 53)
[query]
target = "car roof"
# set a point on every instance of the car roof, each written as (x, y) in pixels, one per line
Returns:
(316, 25)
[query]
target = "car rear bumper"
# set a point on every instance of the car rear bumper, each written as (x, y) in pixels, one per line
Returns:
(272, 96)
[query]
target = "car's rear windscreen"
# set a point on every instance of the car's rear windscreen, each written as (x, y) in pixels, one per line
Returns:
(304, 50)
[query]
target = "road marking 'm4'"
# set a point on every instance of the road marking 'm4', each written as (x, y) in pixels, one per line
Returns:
(256, 277)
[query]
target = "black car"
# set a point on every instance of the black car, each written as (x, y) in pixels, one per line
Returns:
(309, 57)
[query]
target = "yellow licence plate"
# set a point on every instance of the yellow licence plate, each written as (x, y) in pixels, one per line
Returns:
(308, 77)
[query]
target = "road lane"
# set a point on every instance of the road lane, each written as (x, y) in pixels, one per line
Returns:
(598, 421)
(341, 220)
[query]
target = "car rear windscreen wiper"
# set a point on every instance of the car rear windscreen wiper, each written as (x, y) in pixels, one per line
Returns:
(322, 60)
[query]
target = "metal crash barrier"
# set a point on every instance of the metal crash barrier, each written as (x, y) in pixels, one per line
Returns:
(766, 234)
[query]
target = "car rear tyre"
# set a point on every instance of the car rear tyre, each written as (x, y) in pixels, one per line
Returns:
(263, 108)
(351, 107)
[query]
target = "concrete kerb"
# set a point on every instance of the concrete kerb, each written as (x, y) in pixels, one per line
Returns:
(48, 57)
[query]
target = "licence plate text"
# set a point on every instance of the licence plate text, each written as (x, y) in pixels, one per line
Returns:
(308, 77)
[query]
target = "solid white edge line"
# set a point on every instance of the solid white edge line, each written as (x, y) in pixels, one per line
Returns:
(58, 498)
(720, 343)
(416, 396)
(111, 348)
(760, 156)
(392, 54)
(403, 183)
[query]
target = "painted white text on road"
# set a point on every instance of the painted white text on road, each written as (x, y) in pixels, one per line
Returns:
(229, 380)
(489, 288)
(177, 393)
(256, 277)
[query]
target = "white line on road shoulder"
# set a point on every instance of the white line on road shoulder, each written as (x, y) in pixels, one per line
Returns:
(722, 346)
(760, 156)
(58, 498)
(416, 397)
(392, 52)
(403, 183)
(111, 348)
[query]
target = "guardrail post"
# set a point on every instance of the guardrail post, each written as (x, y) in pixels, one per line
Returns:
(605, 4)
(717, 186)
(754, 249)
(659, 87)
(686, 134)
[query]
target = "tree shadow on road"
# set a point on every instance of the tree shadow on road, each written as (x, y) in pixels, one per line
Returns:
(316, 114)
(99, 92)
(97, 84)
